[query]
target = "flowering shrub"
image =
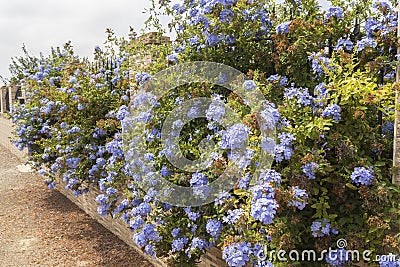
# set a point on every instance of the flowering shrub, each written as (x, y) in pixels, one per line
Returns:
(328, 77)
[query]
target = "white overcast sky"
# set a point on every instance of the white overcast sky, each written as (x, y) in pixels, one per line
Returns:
(42, 24)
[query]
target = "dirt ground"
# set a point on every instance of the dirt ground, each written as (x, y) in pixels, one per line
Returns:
(41, 227)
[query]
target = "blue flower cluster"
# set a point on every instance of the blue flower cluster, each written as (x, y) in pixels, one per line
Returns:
(237, 254)
(284, 149)
(333, 110)
(302, 94)
(319, 62)
(334, 11)
(322, 228)
(283, 27)
(390, 260)
(309, 170)
(300, 197)
(214, 228)
(362, 176)
(364, 43)
(263, 203)
(234, 137)
(344, 44)
(337, 257)
(232, 216)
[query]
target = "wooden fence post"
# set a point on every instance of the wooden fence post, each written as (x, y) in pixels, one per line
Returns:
(10, 98)
(396, 138)
(1, 100)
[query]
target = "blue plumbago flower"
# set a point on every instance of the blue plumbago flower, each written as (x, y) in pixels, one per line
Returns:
(263, 204)
(72, 80)
(173, 58)
(237, 254)
(273, 78)
(194, 40)
(150, 232)
(193, 12)
(283, 80)
(101, 199)
(383, 5)
(125, 98)
(222, 196)
(177, 125)
(111, 191)
(249, 85)
(371, 25)
(216, 110)
(136, 223)
(142, 77)
(309, 170)
(283, 27)
(269, 176)
(140, 239)
(193, 216)
(234, 137)
(145, 99)
(390, 260)
(244, 181)
(197, 243)
(194, 112)
(242, 160)
(318, 62)
(366, 42)
(165, 171)
(303, 96)
(362, 176)
(155, 133)
(198, 179)
(193, 229)
(179, 9)
(320, 92)
(175, 232)
(283, 150)
(122, 113)
(179, 244)
(233, 216)
(390, 75)
(226, 15)
(270, 116)
(337, 257)
(344, 44)
(73, 162)
(143, 117)
(321, 228)
(149, 250)
(214, 227)
(229, 40)
(74, 129)
(212, 39)
(300, 197)
(151, 195)
(334, 11)
(333, 110)
(143, 209)
(268, 145)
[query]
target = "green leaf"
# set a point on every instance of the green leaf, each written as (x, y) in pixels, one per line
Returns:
(351, 186)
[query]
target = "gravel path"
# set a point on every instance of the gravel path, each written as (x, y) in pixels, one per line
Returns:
(41, 227)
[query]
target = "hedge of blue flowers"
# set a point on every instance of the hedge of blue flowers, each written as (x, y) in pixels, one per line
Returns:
(329, 78)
